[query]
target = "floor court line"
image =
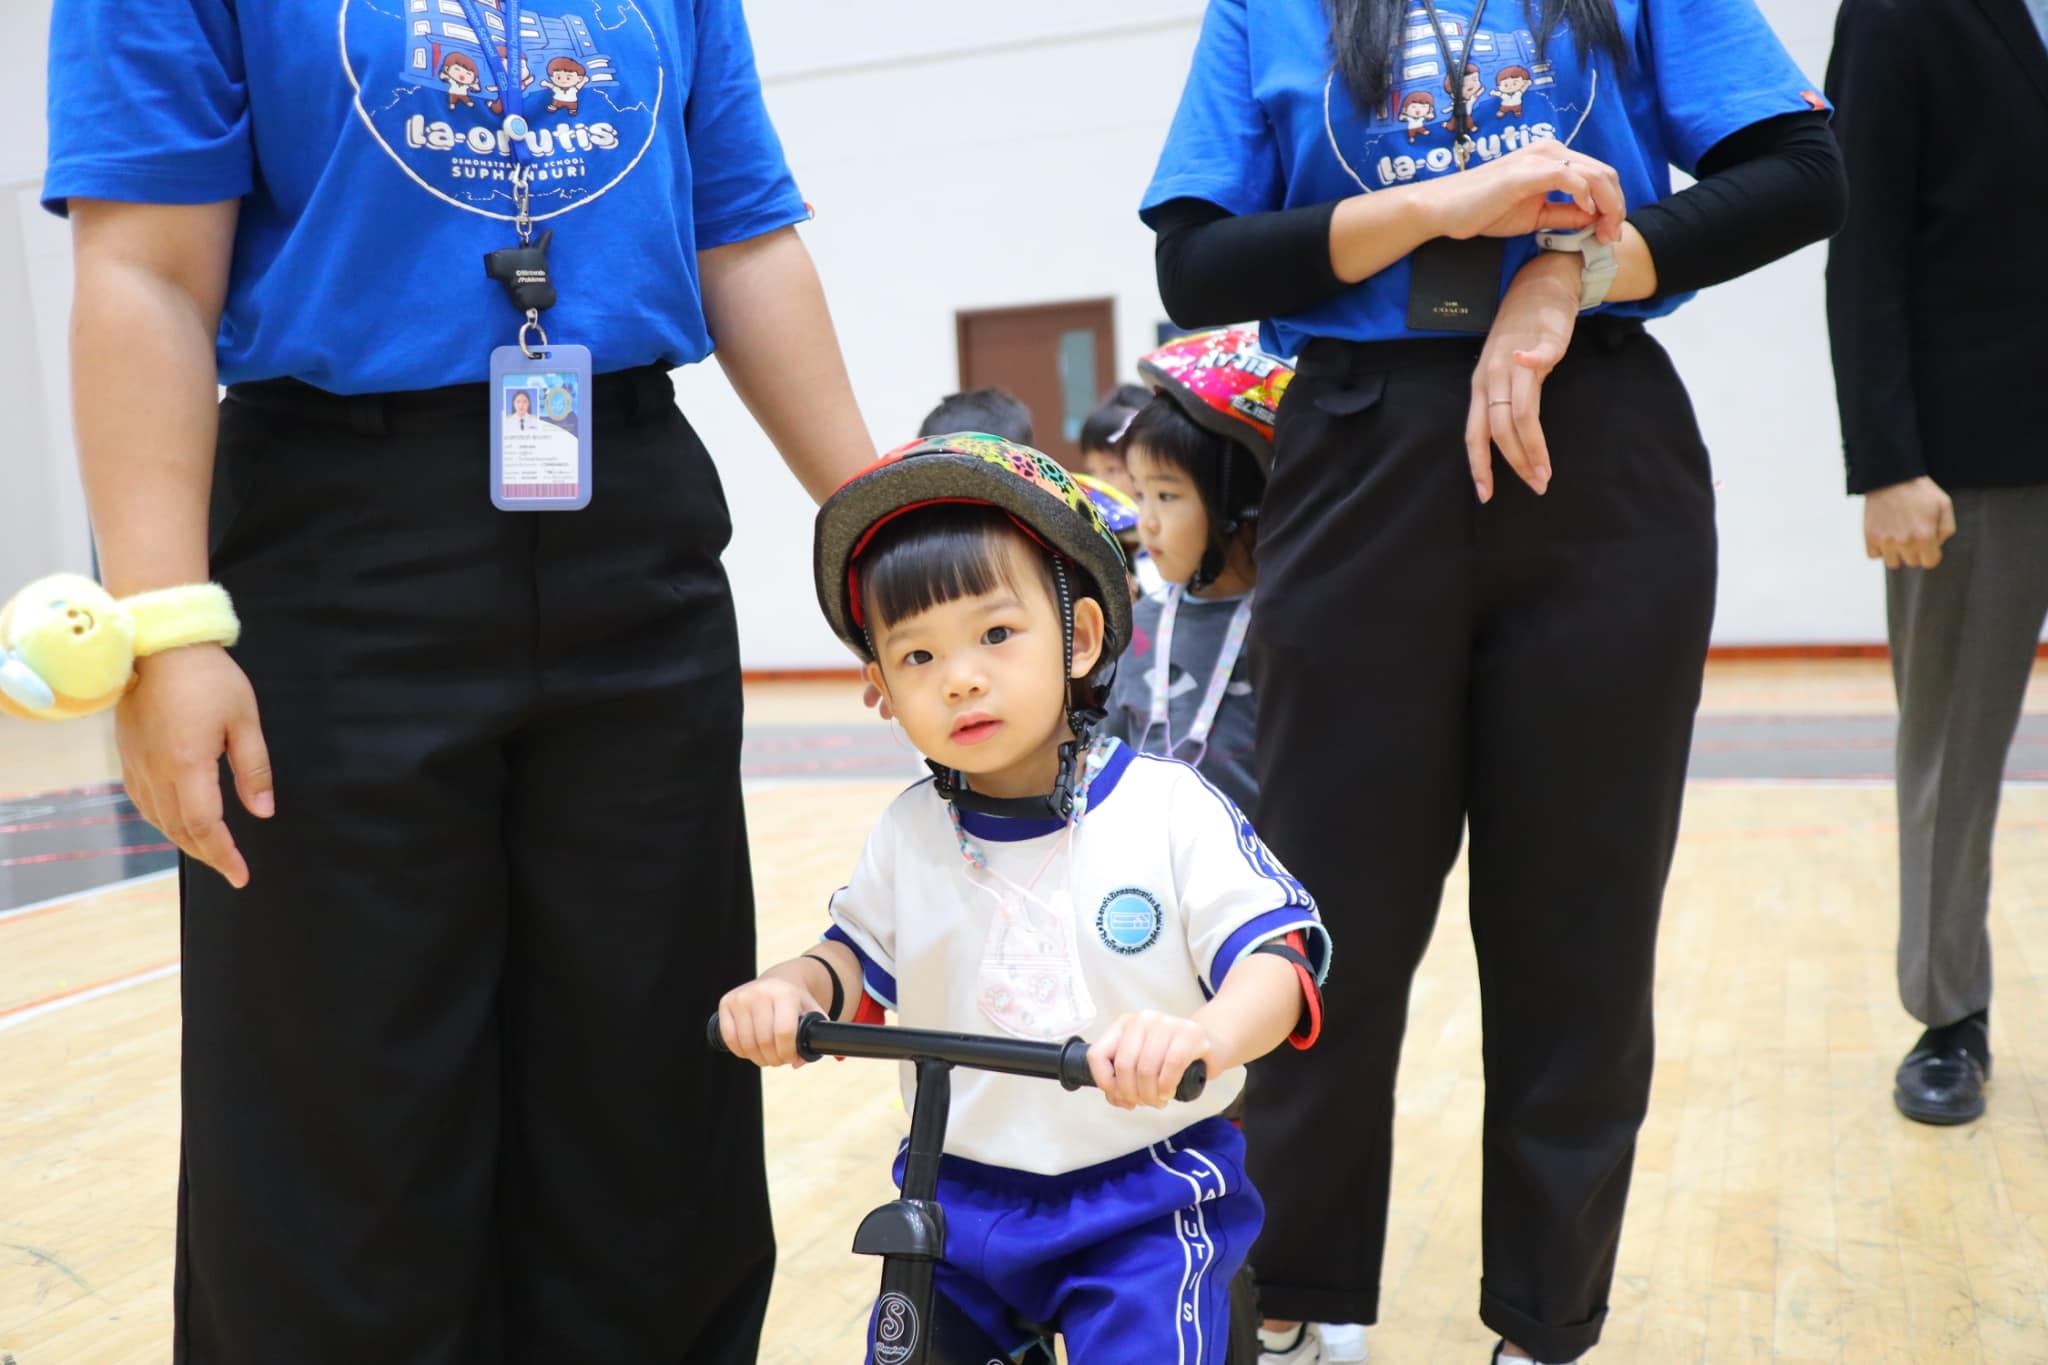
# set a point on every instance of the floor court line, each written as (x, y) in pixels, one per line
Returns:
(73, 897)
(64, 1000)
(35, 1009)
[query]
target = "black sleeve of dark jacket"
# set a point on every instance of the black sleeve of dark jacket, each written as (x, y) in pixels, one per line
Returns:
(1874, 84)
(1764, 191)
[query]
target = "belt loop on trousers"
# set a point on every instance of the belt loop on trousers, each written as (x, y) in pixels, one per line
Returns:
(368, 414)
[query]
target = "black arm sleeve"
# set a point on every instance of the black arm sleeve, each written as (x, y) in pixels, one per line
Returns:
(1874, 81)
(1764, 191)
(1215, 267)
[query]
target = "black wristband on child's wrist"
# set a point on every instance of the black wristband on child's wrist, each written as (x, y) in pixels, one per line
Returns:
(838, 991)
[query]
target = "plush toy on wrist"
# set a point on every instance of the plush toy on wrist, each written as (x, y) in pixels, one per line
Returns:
(68, 648)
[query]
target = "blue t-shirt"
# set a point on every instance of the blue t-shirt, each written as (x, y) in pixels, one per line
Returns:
(360, 138)
(1251, 133)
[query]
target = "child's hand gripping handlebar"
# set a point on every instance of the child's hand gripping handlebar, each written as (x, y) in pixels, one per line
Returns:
(1067, 1063)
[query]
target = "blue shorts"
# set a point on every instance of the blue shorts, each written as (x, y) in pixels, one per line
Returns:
(1131, 1260)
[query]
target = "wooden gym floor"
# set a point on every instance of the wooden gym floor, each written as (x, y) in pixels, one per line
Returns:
(1781, 1209)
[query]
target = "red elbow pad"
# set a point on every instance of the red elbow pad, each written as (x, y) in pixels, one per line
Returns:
(1294, 948)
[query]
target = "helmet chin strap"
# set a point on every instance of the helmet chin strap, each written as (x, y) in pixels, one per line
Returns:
(1216, 557)
(1058, 804)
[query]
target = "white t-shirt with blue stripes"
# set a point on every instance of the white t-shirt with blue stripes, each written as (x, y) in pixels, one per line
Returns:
(1170, 888)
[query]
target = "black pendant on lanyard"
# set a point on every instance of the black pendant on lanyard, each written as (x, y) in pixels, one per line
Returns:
(522, 269)
(1454, 285)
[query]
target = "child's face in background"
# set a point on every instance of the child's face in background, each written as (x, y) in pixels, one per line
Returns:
(1173, 524)
(977, 681)
(1109, 467)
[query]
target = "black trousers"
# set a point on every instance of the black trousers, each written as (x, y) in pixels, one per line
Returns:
(1528, 669)
(446, 1094)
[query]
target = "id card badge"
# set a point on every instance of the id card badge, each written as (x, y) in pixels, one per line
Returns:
(1454, 286)
(540, 428)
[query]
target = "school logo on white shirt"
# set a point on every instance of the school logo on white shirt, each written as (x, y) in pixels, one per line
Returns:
(1129, 920)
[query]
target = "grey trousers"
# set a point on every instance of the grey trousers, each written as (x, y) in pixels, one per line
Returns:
(1963, 637)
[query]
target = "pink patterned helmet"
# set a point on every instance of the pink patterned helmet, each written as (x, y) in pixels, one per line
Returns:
(1224, 382)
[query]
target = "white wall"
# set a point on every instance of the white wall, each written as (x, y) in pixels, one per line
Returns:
(42, 511)
(969, 156)
(958, 157)
(1071, 139)
(1754, 352)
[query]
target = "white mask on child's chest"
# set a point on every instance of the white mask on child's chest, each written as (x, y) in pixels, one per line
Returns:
(1030, 983)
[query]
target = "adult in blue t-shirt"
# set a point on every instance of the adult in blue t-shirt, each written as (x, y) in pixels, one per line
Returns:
(446, 1094)
(1458, 215)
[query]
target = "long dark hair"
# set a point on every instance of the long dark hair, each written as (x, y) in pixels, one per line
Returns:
(1365, 33)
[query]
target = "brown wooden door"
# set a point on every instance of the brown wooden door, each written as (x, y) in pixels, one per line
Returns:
(1059, 358)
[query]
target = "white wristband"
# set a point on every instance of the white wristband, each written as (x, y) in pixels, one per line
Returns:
(1601, 263)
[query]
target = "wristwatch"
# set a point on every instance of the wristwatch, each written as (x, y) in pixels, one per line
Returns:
(1600, 267)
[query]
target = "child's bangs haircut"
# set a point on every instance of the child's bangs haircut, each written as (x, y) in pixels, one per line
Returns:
(939, 554)
(1225, 473)
(934, 555)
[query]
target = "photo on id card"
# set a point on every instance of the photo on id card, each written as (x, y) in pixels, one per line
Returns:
(540, 429)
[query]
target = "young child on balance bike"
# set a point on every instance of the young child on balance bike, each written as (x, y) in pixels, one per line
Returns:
(1052, 885)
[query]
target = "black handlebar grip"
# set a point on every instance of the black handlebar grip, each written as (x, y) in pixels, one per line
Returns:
(803, 1035)
(716, 1037)
(1074, 1072)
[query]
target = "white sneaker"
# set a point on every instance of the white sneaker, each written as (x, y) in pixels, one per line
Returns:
(1302, 1346)
(1343, 1342)
(1314, 1343)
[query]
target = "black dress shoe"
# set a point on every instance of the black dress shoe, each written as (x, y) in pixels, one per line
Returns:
(1942, 1079)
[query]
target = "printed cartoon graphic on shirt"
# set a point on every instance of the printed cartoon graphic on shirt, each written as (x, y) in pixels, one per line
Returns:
(1511, 83)
(428, 77)
(566, 79)
(1512, 95)
(461, 75)
(1416, 111)
(1475, 87)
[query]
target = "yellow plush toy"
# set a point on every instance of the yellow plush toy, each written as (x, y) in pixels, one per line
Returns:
(68, 648)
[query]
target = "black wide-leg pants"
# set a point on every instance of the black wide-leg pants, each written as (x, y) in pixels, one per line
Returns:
(1527, 669)
(446, 1094)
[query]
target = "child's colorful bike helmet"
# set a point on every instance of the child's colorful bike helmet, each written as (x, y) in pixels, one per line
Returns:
(1118, 510)
(1224, 382)
(1047, 503)
(1044, 501)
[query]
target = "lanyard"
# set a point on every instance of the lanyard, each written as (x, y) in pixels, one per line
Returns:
(1092, 760)
(1461, 112)
(1219, 677)
(505, 71)
(523, 269)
